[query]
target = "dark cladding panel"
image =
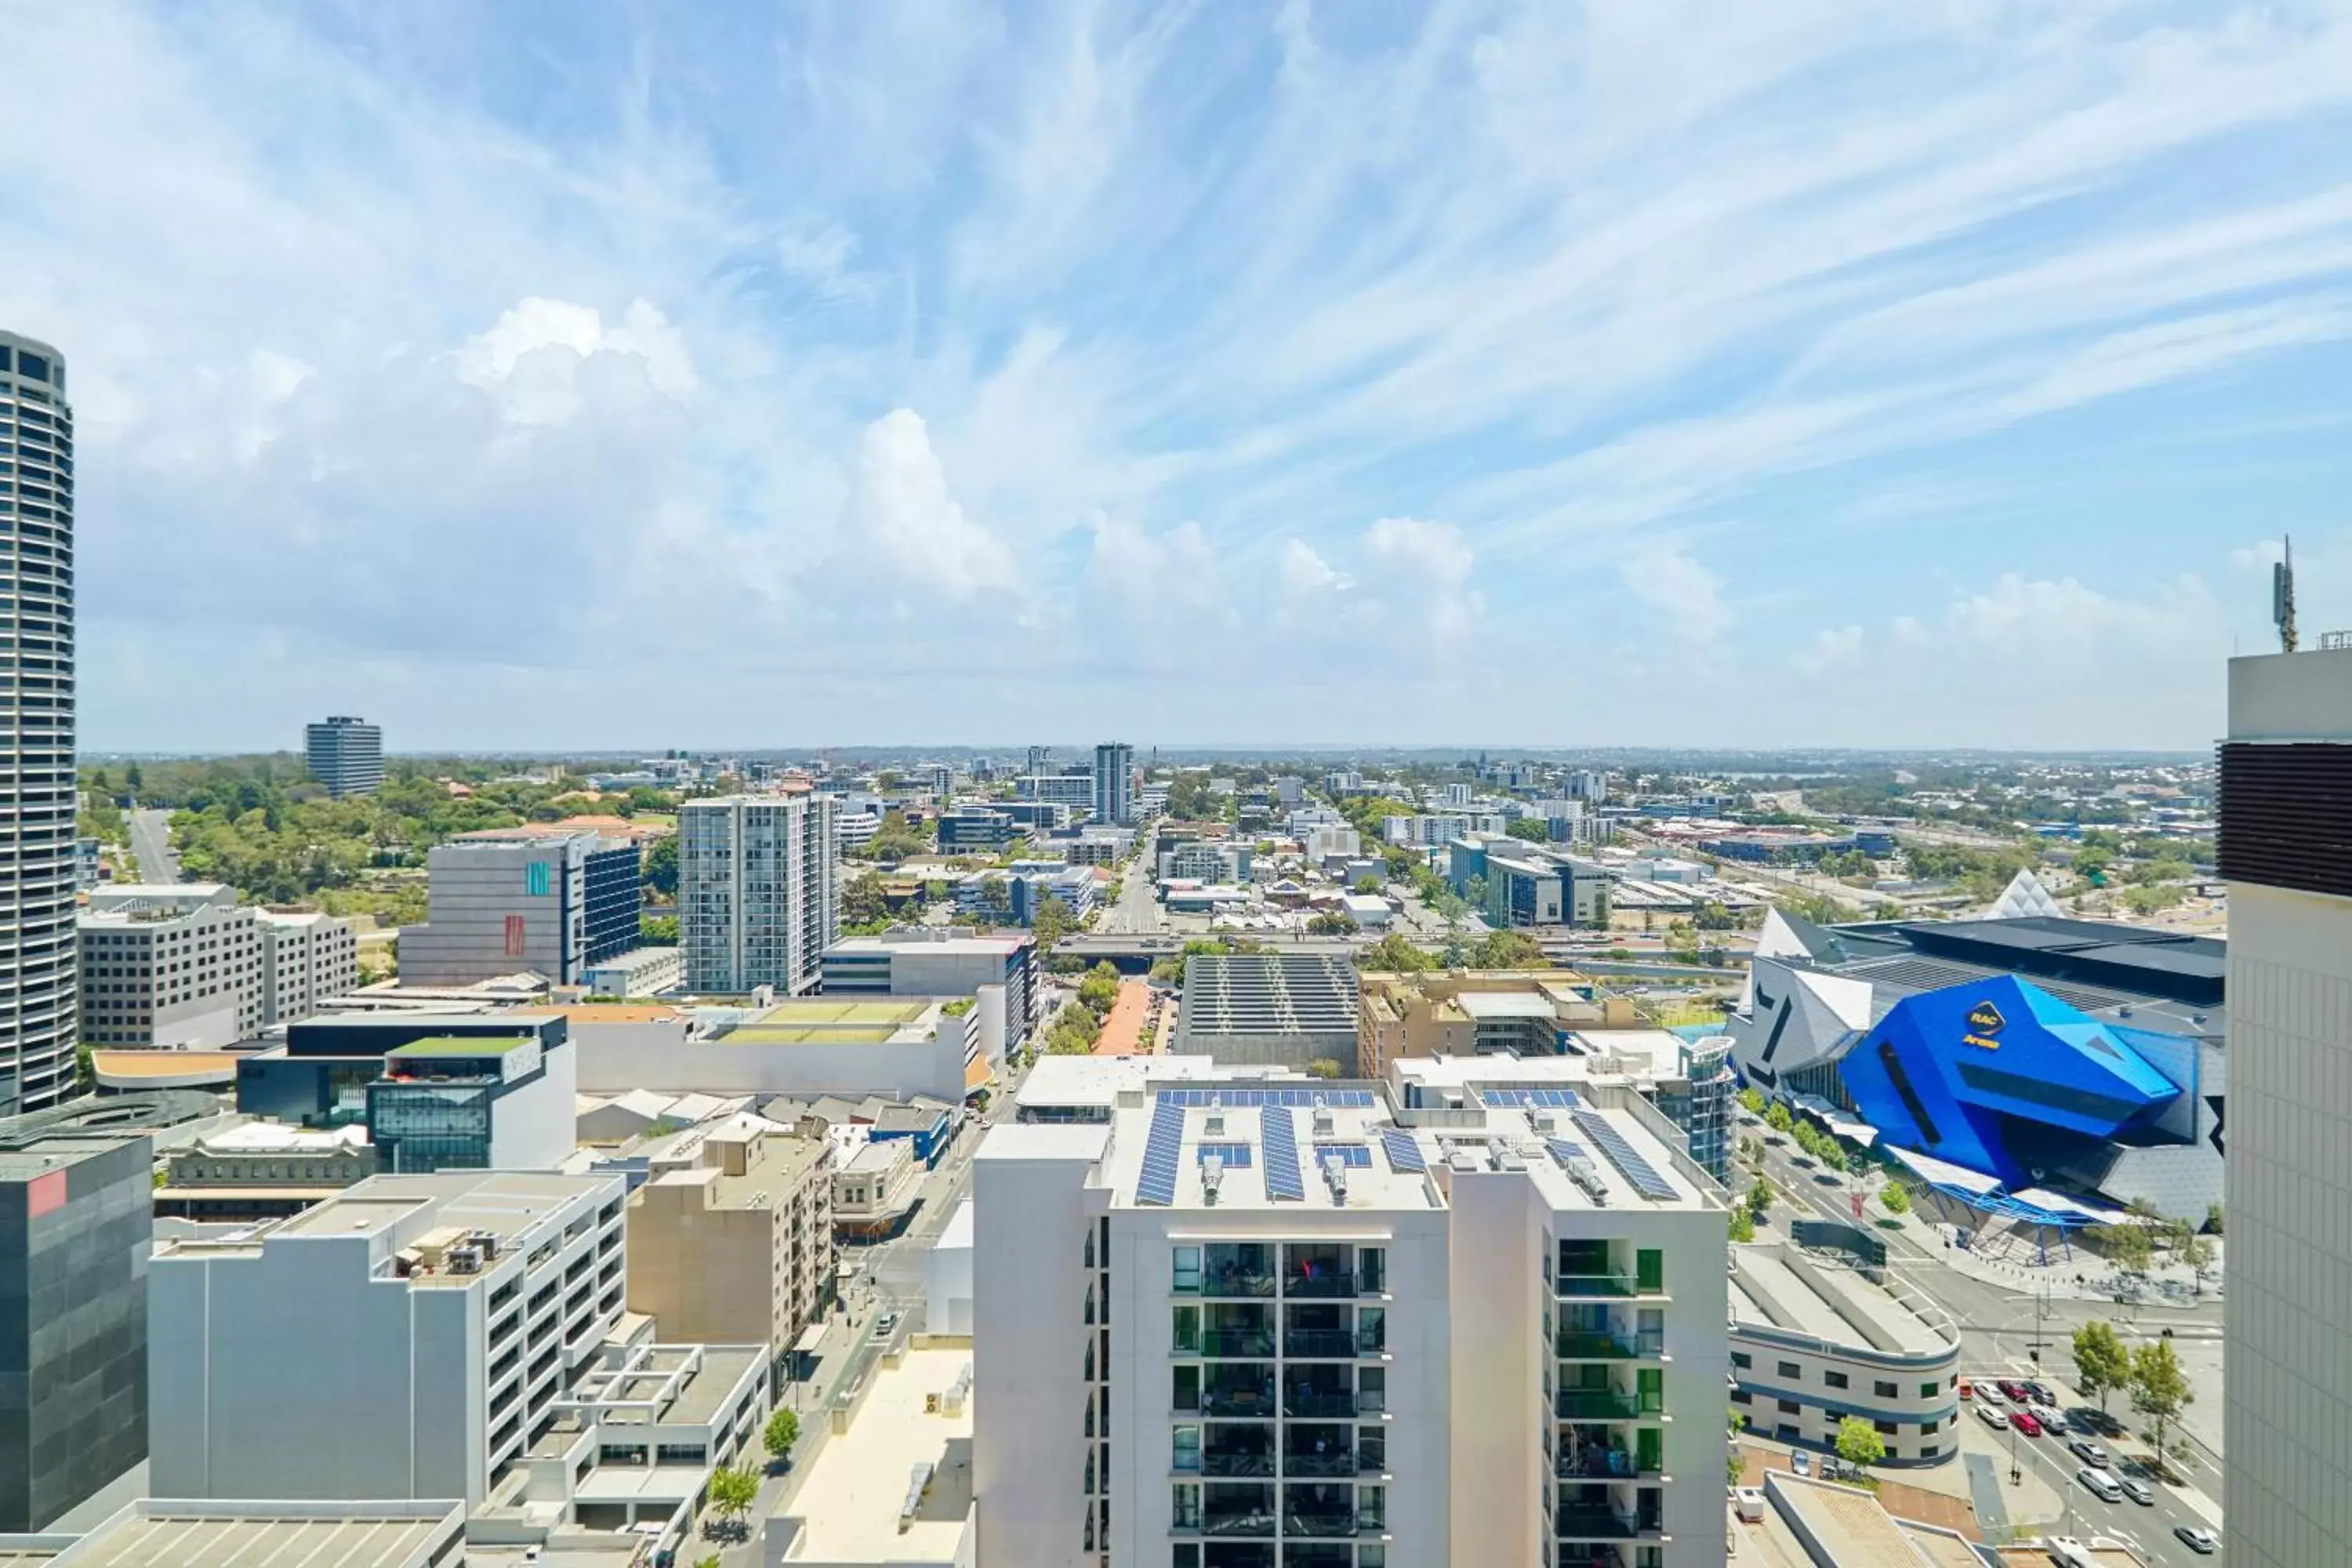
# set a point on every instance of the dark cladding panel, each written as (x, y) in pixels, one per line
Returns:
(2287, 815)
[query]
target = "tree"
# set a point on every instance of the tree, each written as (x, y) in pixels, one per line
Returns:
(1099, 989)
(733, 1489)
(1507, 949)
(1394, 956)
(1858, 1442)
(1167, 971)
(2197, 1251)
(1778, 1118)
(1752, 1102)
(2128, 1246)
(1323, 1067)
(1054, 921)
(657, 931)
(1760, 1198)
(783, 1431)
(1735, 1462)
(862, 900)
(1369, 884)
(661, 865)
(2214, 1219)
(1534, 829)
(1743, 1224)
(1896, 1198)
(2102, 1365)
(2160, 1391)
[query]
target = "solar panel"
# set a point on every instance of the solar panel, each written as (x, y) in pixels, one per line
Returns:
(1630, 1164)
(1163, 1151)
(1234, 1156)
(1529, 1098)
(1232, 1098)
(1404, 1154)
(1280, 1142)
(1349, 1153)
(1563, 1151)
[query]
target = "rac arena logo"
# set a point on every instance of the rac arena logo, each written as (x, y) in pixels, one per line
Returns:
(1985, 1024)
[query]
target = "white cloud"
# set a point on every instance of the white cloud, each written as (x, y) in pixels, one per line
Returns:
(1670, 580)
(1156, 576)
(532, 357)
(902, 511)
(1426, 567)
(1830, 648)
(1305, 575)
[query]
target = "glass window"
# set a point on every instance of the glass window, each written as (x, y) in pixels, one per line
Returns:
(1883, 1390)
(1185, 1392)
(1187, 1446)
(1184, 1506)
(32, 367)
(1930, 1390)
(1184, 1331)
(1650, 1268)
(1186, 1554)
(1372, 1270)
(1789, 1370)
(1742, 1359)
(1187, 1282)
(1787, 1407)
(1834, 1379)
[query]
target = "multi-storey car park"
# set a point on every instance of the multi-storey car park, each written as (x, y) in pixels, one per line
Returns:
(1244, 1324)
(1276, 1009)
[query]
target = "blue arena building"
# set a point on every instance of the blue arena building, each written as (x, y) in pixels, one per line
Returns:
(2028, 1054)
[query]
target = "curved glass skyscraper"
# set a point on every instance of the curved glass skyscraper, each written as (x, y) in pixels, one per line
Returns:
(38, 979)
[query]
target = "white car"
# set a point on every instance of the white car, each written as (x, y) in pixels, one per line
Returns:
(1996, 1419)
(2197, 1539)
(1988, 1393)
(2100, 1484)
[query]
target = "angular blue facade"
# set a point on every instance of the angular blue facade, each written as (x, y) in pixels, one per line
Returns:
(2002, 1077)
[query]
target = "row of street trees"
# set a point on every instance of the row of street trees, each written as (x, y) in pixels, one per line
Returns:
(2152, 1374)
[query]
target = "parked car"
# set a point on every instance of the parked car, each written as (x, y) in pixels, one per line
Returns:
(1996, 1419)
(2138, 1490)
(2013, 1391)
(1801, 1462)
(1967, 1388)
(2090, 1452)
(2025, 1421)
(2054, 1423)
(2099, 1484)
(2197, 1539)
(2042, 1394)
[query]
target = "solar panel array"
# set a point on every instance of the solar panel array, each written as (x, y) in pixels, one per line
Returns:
(1529, 1098)
(1233, 1157)
(1630, 1164)
(1337, 1098)
(1563, 1151)
(1163, 1151)
(1404, 1154)
(1280, 1141)
(1349, 1153)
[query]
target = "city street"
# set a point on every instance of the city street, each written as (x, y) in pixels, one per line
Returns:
(151, 844)
(1136, 913)
(2000, 1327)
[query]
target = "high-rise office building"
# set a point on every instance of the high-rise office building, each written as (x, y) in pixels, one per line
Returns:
(540, 897)
(77, 1223)
(757, 890)
(2286, 853)
(37, 760)
(1114, 784)
(346, 756)
(1237, 1326)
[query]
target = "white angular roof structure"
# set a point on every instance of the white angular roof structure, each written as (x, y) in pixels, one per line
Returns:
(2024, 897)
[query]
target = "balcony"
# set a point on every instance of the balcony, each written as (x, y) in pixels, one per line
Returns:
(1576, 1346)
(1596, 1524)
(1244, 1463)
(1600, 1287)
(1332, 1463)
(1243, 1399)
(1240, 1522)
(1320, 1284)
(1325, 1523)
(1234, 1344)
(1318, 1404)
(1324, 1344)
(1596, 1405)
(1603, 1464)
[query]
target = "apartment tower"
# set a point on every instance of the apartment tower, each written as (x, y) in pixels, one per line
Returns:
(37, 964)
(1246, 1326)
(346, 754)
(757, 900)
(2286, 853)
(1114, 784)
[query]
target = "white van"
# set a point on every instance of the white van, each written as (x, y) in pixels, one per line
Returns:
(2100, 1483)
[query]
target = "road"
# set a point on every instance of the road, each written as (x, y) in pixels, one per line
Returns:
(1136, 913)
(151, 844)
(1999, 1329)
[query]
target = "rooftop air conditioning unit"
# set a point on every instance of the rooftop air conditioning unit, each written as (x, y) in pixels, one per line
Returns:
(484, 1242)
(462, 1260)
(1539, 1119)
(1214, 1127)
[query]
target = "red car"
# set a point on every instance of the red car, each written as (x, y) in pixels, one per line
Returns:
(2014, 1390)
(2024, 1421)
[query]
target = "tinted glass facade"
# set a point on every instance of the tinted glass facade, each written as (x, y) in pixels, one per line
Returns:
(74, 1244)
(421, 1127)
(613, 877)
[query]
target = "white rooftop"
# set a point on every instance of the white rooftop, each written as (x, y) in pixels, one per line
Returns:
(1097, 1082)
(854, 1495)
(1507, 1005)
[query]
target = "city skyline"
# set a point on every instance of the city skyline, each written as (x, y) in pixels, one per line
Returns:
(479, 371)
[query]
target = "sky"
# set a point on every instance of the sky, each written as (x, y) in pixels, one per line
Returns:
(547, 375)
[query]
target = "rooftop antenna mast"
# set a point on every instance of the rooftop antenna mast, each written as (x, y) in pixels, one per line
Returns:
(2282, 598)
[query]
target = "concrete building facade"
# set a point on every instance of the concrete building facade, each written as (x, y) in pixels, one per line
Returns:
(346, 754)
(732, 1240)
(2286, 852)
(923, 960)
(498, 902)
(1114, 795)
(757, 897)
(179, 967)
(407, 1339)
(306, 957)
(38, 855)
(1269, 1010)
(1231, 1329)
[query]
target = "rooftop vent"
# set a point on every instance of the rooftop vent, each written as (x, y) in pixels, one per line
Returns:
(1212, 1175)
(1334, 1175)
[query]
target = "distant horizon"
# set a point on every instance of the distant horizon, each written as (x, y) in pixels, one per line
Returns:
(957, 750)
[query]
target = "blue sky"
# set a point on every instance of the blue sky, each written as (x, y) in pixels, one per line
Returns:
(546, 375)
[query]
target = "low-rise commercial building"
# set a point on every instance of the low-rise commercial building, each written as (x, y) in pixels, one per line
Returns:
(1812, 1344)
(306, 958)
(1205, 860)
(896, 1048)
(543, 897)
(1269, 1010)
(263, 1170)
(1014, 896)
(454, 1312)
(924, 961)
(731, 1239)
(153, 1532)
(175, 965)
(638, 971)
(1527, 885)
(893, 1486)
(875, 1189)
(1462, 1013)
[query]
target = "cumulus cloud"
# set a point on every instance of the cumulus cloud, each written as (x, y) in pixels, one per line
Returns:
(1671, 580)
(1830, 648)
(902, 511)
(1425, 568)
(530, 359)
(1305, 576)
(1154, 575)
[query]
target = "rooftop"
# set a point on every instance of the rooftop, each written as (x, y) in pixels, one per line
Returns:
(157, 1534)
(1773, 1289)
(818, 1022)
(859, 1485)
(509, 1205)
(1273, 993)
(462, 1046)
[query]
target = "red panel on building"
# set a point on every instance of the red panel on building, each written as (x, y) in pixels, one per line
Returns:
(514, 936)
(45, 1194)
